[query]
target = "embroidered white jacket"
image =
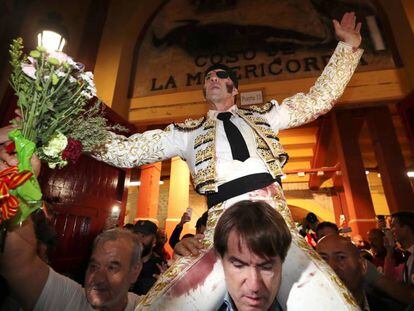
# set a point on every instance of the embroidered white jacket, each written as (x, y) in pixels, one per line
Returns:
(195, 140)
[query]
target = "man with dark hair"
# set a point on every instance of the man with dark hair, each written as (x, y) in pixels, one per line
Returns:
(402, 226)
(324, 228)
(201, 224)
(151, 264)
(252, 255)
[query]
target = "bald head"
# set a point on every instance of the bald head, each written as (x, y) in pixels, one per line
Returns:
(344, 259)
(336, 242)
(358, 241)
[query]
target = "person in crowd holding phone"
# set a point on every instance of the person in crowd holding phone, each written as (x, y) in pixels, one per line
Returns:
(200, 227)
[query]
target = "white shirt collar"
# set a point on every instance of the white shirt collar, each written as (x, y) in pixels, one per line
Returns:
(213, 113)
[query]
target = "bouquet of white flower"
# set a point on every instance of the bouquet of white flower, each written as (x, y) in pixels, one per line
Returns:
(56, 121)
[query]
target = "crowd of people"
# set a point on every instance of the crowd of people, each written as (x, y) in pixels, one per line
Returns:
(124, 263)
(236, 161)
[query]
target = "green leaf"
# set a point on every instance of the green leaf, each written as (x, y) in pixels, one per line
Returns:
(35, 54)
(22, 100)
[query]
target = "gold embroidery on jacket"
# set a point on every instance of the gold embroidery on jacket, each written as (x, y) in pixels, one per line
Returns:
(203, 139)
(190, 124)
(262, 109)
(329, 87)
(205, 179)
(204, 155)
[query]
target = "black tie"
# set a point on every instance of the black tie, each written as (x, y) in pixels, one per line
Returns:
(237, 144)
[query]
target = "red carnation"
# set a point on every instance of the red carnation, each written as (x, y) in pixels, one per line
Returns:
(72, 151)
(10, 148)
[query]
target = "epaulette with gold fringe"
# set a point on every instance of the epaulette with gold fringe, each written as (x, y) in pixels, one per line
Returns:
(190, 124)
(259, 109)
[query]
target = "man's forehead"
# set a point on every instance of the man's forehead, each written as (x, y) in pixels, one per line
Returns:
(111, 248)
(334, 246)
(238, 248)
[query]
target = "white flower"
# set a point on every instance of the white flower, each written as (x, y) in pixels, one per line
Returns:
(60, 73)
(88, 78)
(29, 70)
(90, 90)
(89, 74)
(86, 94)
(55, 146)
(71, 62)
(60, 163)
(60, 56)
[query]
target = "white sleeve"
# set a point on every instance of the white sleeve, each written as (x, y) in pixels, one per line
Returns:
(306, 107)
(61, 293)
(148, 147)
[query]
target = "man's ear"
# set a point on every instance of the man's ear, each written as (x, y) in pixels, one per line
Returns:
(235, 91)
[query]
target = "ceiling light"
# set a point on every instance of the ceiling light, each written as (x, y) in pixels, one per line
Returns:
(51, 41)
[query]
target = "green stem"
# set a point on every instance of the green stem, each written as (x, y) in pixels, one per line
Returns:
(60, 85)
